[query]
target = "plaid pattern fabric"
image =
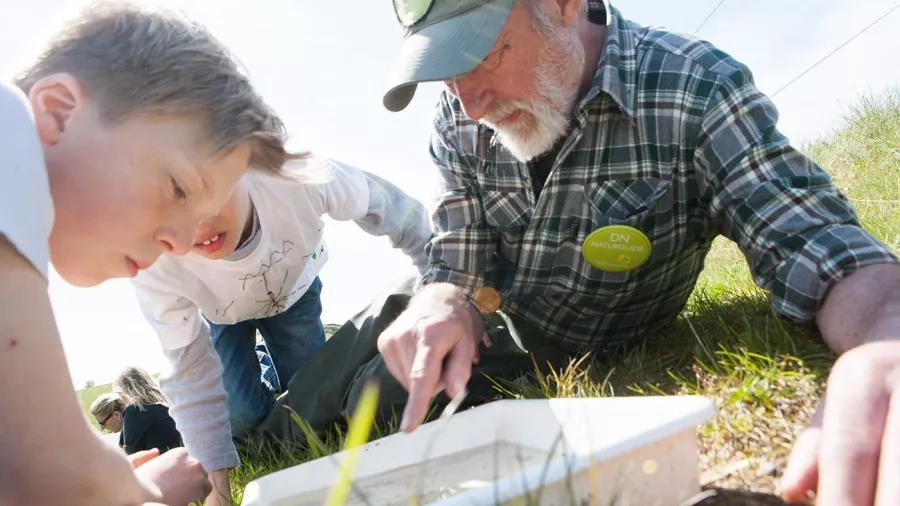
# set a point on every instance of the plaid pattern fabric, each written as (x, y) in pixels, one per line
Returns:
(673, 139)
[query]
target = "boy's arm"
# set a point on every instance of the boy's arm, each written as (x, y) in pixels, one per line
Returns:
(403, 219)
(49, 450)
(198, 403)
(193, 384)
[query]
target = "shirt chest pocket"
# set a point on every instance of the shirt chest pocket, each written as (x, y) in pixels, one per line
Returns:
(624, 202)
(645, 205)
(506, 211)
(505, 198)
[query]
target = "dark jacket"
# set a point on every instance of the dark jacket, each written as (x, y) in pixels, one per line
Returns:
(149, 428)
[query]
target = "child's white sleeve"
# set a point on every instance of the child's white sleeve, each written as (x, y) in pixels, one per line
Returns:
(403, 219)
(198, 403)
(26, 206)
(175, 319)
(378, 206)
(344, 193)
(193, 384)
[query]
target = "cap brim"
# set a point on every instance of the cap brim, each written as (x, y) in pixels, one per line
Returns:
(444, 50)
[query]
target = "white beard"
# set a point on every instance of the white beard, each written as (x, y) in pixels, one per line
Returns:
(546, 119)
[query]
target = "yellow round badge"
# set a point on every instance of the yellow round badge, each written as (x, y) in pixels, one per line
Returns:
(616, 248)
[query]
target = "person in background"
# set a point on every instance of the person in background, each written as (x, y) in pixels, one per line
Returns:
(145, 422)
(107, 411)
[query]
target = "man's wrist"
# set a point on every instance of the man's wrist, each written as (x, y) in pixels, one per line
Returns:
(459, 299)
(862, 308)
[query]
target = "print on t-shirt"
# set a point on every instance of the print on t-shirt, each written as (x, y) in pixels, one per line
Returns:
(276, 301)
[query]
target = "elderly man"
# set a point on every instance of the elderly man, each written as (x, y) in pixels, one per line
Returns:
(588, 163)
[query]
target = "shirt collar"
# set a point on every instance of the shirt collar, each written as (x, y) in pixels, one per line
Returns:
(616, 73)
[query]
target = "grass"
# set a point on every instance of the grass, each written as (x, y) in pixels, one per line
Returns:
(87, 396)
(765, 376)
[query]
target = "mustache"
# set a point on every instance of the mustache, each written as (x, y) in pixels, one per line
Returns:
(504, 109)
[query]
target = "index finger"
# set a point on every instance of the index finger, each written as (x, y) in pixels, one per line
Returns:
(423, 380)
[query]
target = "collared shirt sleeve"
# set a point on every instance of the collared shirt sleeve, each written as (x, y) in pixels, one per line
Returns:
(463, 246)
(798, 232)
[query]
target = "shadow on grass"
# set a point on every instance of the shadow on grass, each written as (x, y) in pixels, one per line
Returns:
(722, 336)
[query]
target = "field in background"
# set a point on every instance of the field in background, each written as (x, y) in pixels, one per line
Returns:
(87, 396)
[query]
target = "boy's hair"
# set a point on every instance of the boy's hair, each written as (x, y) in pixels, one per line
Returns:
(131, 59)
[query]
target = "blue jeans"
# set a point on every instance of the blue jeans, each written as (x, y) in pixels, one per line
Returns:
(290, 338)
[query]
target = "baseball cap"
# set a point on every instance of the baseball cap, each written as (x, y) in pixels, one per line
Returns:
(442, 39)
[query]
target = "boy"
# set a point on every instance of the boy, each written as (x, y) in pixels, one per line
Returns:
(254, 267)
(130, 128)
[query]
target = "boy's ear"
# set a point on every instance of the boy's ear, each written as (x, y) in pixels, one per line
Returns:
(53, 100)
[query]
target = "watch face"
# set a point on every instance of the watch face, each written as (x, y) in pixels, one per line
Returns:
(410, 12)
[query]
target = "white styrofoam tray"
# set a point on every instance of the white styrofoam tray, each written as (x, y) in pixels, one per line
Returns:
(625, 451)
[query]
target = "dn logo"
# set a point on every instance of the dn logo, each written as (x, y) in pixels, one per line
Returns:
(614, 237)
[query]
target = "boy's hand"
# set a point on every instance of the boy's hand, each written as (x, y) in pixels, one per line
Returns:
(174, 478)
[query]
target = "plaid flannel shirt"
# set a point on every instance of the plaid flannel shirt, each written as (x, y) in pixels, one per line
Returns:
(673, 139)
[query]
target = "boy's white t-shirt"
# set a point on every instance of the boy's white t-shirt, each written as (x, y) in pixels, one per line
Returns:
(287, 258)
(26, 205)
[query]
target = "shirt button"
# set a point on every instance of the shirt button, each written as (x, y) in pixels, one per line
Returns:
(528, 183)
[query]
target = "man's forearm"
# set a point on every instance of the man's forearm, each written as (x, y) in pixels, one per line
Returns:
(861, 308)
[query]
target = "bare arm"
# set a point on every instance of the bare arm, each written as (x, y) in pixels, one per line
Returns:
(49, 450)
(862, 308)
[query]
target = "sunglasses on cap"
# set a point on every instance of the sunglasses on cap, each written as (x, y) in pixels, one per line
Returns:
(410, 12)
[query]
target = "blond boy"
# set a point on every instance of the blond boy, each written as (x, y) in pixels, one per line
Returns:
(130, 128)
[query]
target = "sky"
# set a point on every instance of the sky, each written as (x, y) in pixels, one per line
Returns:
(323, 65)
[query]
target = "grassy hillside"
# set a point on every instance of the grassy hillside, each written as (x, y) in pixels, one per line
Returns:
(88, 395)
